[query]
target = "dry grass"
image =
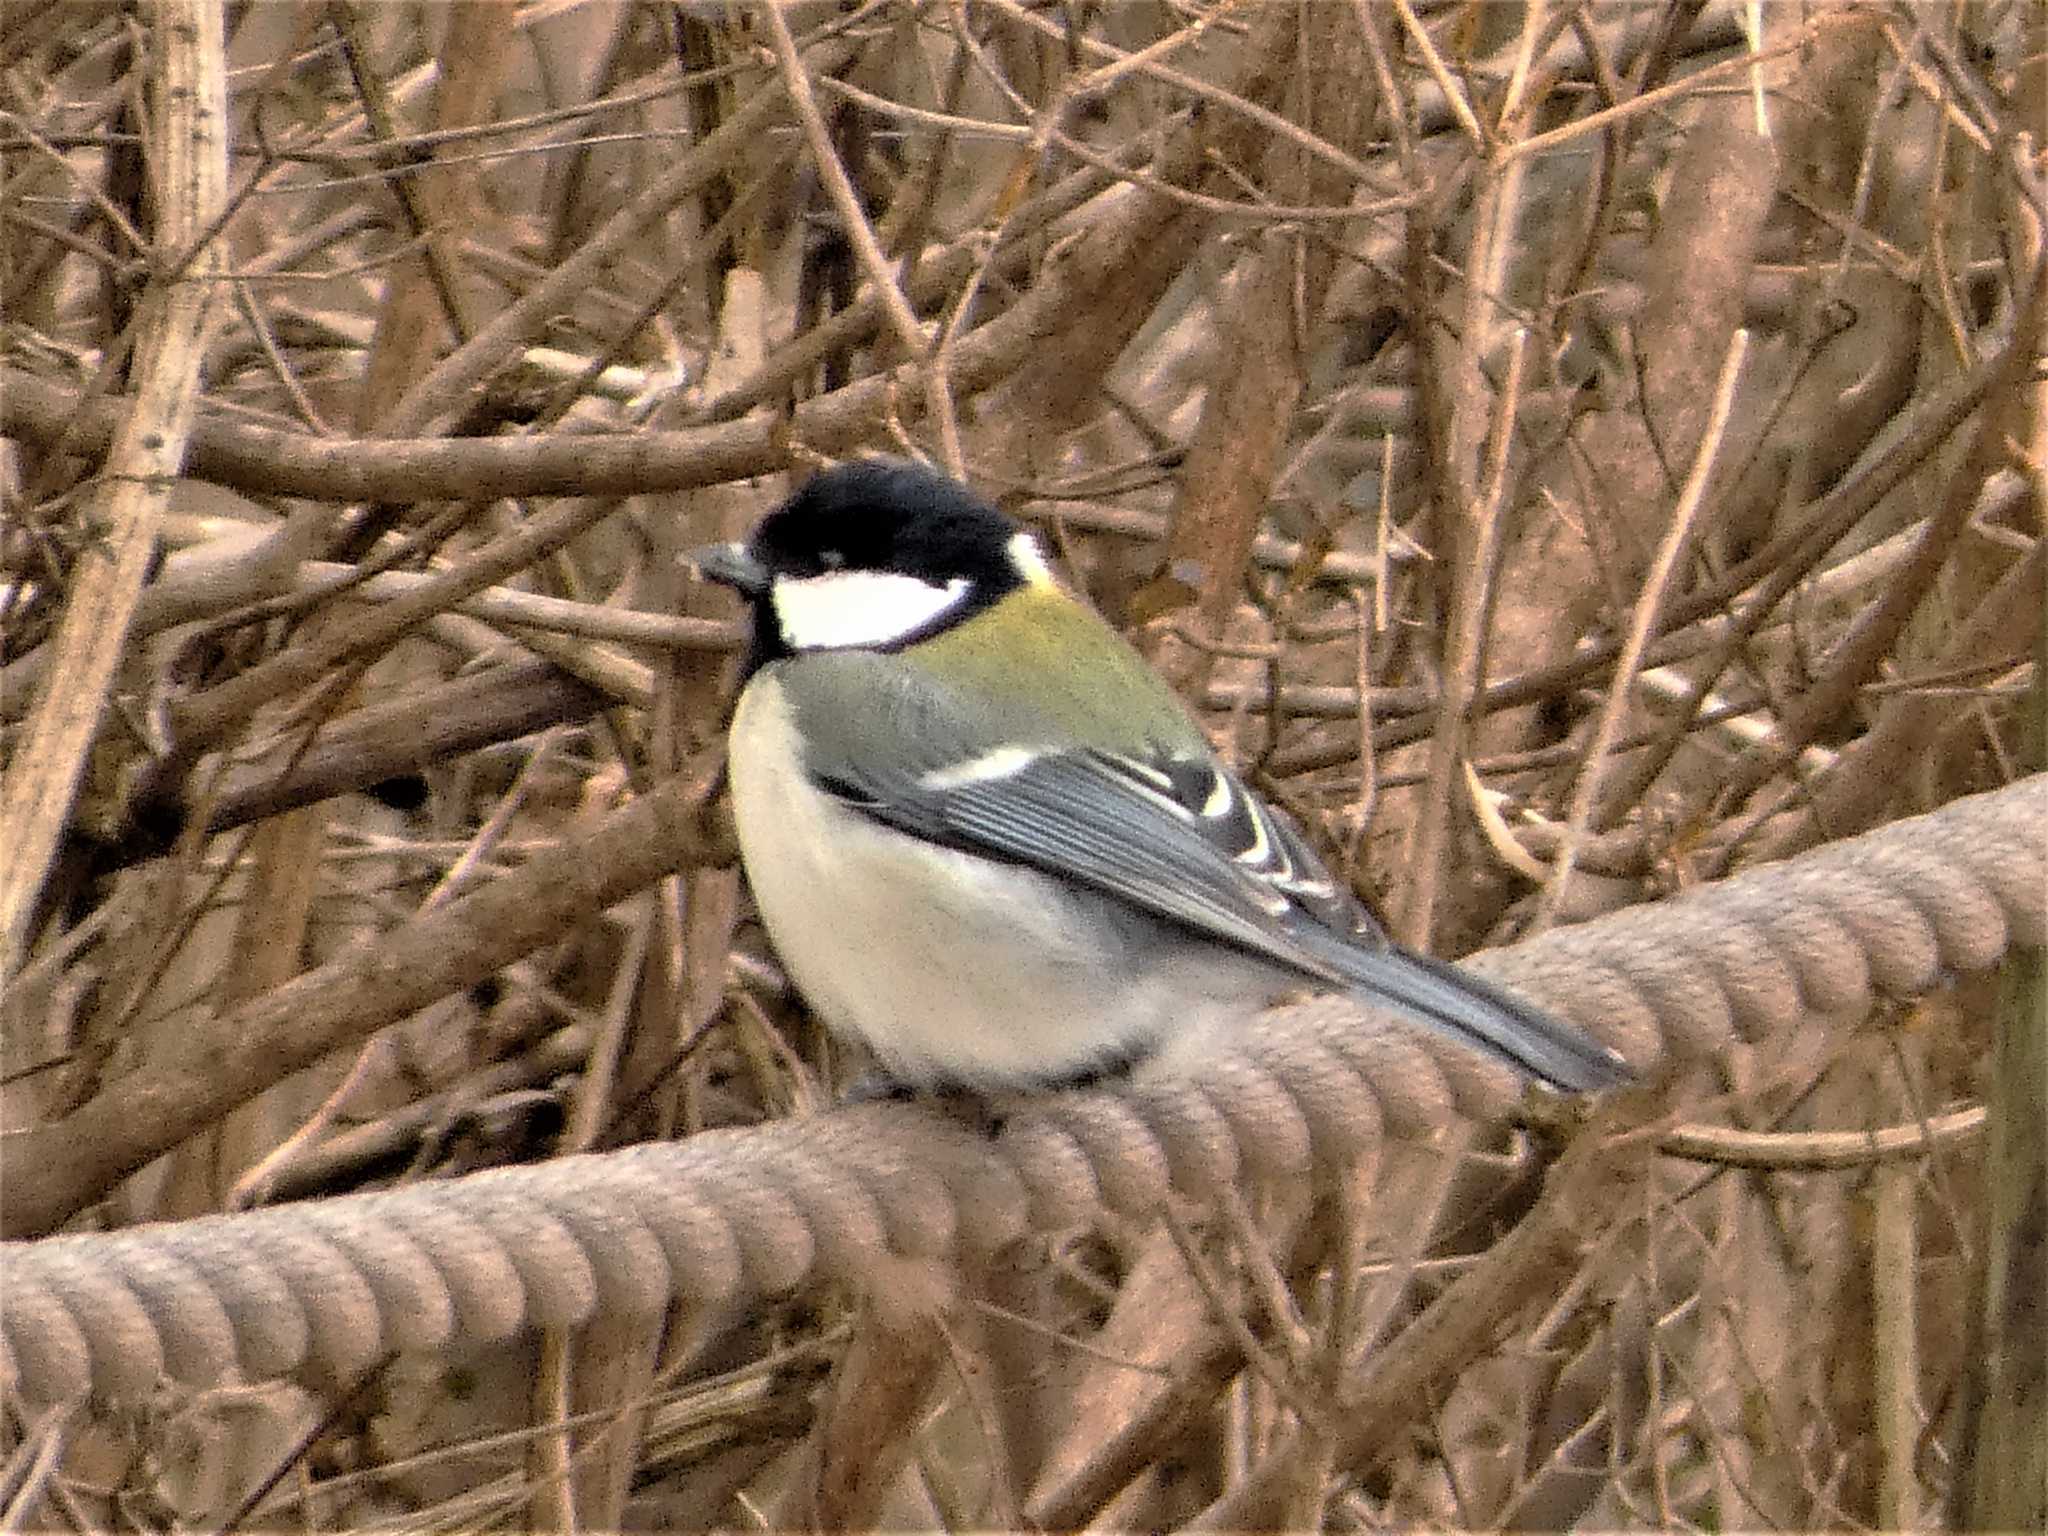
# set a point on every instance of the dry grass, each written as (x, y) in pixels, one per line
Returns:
(1637, 425)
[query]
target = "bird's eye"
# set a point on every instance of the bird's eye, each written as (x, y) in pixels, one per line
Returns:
(832, 559)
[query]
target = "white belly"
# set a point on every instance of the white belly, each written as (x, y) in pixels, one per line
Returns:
(954, 970)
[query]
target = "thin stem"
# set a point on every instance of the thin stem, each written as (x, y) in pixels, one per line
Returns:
(832, 174)
(1641, 627)
(1463, 662)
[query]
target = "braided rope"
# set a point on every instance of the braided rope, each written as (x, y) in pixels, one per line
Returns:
(853, 1195)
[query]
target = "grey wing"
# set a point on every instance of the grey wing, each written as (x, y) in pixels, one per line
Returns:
(1175, 835)
(1208, 855)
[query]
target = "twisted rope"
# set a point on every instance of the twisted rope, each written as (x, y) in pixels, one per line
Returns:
(855, 1194)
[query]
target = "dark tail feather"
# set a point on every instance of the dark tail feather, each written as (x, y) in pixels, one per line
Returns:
(1484, 1017)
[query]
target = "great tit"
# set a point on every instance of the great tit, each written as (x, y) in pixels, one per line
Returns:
(990, 844)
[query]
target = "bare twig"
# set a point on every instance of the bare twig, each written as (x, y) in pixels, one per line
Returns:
(846, 202)
(1649, 101)
(1894, 1279)
(1461, 109)
(191, 159)
(1820, 1151)
(1586, 788)
(1463, 656)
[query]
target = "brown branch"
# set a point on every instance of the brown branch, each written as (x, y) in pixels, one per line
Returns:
(1391, 1394)
(56, 1169)
(1656, 589)
(1820, 1151)
(1464, 662)
(144, 455)
(367, 746)
(1855, 660)
(1772, 571)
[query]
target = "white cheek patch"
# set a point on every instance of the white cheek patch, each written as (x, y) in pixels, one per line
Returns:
(848, 609)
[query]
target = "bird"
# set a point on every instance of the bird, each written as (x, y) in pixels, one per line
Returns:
(990, 844)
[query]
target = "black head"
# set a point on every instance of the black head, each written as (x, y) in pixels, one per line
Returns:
(874, 554)
(885, 515)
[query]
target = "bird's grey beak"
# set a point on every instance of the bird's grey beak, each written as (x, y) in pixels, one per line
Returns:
(731, 566)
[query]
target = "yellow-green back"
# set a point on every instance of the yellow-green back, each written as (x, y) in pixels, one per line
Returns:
(1046, 665)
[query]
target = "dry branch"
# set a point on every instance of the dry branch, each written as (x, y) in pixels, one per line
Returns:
(170, 332)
